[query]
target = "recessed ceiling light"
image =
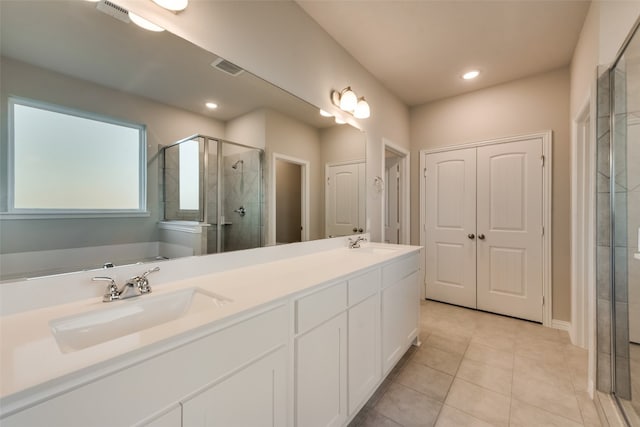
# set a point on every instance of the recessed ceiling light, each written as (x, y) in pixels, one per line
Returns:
(211, 105)
(143, 23)
(325, 114)
(471, 75)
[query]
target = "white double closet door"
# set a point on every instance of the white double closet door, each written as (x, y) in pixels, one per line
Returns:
(484, 228)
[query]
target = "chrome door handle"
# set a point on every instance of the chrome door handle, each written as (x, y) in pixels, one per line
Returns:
(471, 236)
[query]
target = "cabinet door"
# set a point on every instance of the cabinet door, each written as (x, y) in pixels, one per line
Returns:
(364, 354)
(321, 367)
(254, 396)
(400, 314)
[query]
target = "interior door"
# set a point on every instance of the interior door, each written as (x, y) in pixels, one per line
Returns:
(344, 199)
(392, 200)
(451, 227)
(509, 229)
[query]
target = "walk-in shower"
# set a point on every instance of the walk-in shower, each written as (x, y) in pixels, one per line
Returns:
(618, 230)
(212, 195)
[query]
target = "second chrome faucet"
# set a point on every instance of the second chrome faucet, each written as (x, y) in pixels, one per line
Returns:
(135, 286)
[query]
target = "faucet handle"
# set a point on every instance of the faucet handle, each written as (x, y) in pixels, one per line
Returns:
(111, 293)
(148, 272)
(142, 282)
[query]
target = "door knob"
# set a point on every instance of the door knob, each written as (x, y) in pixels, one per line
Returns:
(360, 230)
(355, 230)
(481, 236)
(471, 236)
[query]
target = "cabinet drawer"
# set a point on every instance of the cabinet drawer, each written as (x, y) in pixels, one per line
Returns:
(363, 285)
(314, 309)
(400, 269)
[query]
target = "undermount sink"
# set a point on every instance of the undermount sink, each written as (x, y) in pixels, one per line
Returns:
(371, 249)
(125, 317)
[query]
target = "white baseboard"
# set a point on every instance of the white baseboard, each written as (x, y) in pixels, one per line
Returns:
(563, 325)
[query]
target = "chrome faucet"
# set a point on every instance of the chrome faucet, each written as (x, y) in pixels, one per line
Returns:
(355, 244)
(135, 286)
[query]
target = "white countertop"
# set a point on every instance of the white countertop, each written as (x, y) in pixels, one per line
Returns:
(32, 365)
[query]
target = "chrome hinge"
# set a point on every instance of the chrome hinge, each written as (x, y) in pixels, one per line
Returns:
(542, 230)
(542, 160)
(542, 299)
(425, 172)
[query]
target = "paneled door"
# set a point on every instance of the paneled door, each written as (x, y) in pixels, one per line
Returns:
(451, 227)
(344, 199)
(509, 228)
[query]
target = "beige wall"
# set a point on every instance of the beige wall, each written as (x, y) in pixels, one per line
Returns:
(288, 202)
(342, 143)
(248, 129)
(523, 106)
(279, 42)
(165, 125)
(292, 138)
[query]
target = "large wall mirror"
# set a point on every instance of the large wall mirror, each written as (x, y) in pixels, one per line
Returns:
(77, 76)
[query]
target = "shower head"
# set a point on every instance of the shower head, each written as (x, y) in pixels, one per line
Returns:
(235, 165)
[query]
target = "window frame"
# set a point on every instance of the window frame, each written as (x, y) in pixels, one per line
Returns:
(13, 212)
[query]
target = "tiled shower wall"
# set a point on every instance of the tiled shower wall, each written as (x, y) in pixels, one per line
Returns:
(242, 188)
(603, 237)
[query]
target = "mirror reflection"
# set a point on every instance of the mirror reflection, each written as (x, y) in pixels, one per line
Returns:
(262, 168)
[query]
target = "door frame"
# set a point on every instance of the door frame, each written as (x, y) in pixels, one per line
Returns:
(304, 195)
(405, 211)
(583, 244)
(547, 139)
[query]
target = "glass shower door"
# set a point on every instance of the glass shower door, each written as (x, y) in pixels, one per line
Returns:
(625, 220)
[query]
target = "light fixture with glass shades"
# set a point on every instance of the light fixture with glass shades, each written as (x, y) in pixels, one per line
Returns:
(348, 101)
(471, 74)
(172, 5)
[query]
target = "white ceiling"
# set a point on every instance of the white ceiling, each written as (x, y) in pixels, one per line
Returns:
(419, 49)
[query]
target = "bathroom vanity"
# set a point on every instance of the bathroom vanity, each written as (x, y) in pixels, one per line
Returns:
(299, 340)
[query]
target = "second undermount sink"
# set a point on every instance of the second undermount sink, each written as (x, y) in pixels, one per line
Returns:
(125, 317)
(373, 249)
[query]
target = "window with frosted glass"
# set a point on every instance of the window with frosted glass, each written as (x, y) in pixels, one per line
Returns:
(67, 160)
(189, 175)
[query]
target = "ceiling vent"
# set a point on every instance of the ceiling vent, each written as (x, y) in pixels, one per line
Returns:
(120, 13)
(226, 66)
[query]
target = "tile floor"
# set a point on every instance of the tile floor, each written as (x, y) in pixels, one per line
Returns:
(480, 369)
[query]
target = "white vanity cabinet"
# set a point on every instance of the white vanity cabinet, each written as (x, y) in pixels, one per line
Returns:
(310, 357)
(150, 391)
(321, 358)
(364, 371)
(256, 395)
(400, 300)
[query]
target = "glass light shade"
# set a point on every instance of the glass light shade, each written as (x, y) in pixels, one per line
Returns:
(143, 23)
(348, 100)
(174, 5)
(362, 109)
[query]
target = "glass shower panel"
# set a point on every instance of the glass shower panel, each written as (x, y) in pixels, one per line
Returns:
(240, 197)
(625, 215)
(183, 178)
(212, 196)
